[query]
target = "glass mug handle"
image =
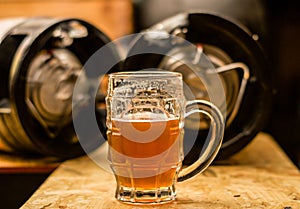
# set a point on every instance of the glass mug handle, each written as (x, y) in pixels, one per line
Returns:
(212, 143)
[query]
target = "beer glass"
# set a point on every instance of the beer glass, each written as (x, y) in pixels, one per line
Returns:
(145, 121)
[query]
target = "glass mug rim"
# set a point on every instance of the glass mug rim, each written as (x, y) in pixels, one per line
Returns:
(212, 143)
(145, 73)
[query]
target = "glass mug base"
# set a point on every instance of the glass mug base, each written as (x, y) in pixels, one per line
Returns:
(139, 196)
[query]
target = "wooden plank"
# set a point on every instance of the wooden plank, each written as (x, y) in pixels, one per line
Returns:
(12, 163)
(260, 176)
(113, 17)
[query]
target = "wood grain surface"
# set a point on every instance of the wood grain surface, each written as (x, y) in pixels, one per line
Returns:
(260, 176)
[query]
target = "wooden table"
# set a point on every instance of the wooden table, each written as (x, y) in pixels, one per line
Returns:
(260, 176)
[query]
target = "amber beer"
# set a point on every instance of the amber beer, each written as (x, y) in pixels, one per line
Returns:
(145, 154)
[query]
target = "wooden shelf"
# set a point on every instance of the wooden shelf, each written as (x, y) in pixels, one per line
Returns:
(114, 18)
(13, 164)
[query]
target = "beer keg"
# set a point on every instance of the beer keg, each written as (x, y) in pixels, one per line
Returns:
(40, 59)
(236, 56)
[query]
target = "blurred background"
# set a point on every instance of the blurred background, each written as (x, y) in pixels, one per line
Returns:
(276, 22)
